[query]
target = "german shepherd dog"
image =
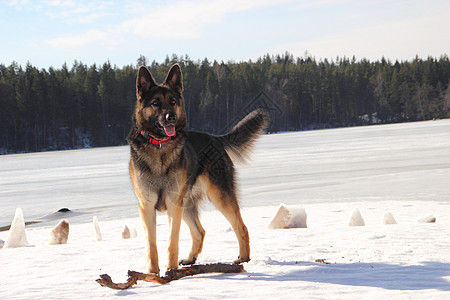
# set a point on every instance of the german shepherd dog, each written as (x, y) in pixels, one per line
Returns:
(173, 169)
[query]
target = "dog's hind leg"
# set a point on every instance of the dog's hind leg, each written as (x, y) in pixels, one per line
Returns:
(190, 217)
(226, 202)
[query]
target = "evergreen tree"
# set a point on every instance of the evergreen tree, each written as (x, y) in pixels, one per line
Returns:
(92, 105)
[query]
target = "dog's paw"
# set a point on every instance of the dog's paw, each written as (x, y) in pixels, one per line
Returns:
(188, 261)
(153, 273)
(241, 260)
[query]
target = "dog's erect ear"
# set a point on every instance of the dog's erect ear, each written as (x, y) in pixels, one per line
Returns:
(174, 78)
(144, 81)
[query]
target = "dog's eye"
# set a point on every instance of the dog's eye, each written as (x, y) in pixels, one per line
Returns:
(173, 101)
(155, 102)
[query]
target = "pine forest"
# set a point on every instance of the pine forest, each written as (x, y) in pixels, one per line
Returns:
(83, 106)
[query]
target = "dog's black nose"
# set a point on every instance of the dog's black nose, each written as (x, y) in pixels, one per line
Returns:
(171, 117)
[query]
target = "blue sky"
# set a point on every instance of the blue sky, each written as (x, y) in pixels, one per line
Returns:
(51, 32)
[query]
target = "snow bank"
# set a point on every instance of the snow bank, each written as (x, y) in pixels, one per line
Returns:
(60, 234)
(128, 232)
(388, 219)
(427, 219)
(17, 236)
(288, 216)
(133, 233)
(356, 219)
(98, 234)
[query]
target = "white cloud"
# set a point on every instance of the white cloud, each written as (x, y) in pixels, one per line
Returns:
(183, 20)
(79, 41)
(80, 12)
(66, 11)
(61, 3)
(19, 4)
(401, 38)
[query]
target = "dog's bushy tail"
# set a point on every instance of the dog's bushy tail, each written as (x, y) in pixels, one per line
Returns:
(239, 141)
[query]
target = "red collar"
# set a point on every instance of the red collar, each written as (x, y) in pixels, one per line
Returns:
(154, 141)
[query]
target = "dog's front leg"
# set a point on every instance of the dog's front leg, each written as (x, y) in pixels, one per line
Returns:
(147, 213)
(175, 213)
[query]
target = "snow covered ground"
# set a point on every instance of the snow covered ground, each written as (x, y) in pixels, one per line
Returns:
(403, 169)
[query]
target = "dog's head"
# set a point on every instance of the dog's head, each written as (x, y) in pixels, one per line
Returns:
(160, 107)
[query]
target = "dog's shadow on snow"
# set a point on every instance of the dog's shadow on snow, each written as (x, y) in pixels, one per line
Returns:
(427, 275)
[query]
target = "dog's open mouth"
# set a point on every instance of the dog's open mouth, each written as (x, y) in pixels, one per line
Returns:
(168, 129)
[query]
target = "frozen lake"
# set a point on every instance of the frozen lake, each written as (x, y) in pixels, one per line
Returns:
(409, 161)
(403, 169)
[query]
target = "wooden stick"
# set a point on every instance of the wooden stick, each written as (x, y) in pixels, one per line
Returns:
(174, 274)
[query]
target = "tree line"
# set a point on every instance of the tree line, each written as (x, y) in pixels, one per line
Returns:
(91, 106)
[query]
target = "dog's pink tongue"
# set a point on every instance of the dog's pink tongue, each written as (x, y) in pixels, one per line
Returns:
(169, 130)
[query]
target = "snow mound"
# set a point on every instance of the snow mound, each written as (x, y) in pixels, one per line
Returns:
(17, 236)
(388, 219)
(60, 233)
(288, 216)
(427, 219)
(2, 242)
(133, 232)
(126, 232)
(356, 219)
(98, 234)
